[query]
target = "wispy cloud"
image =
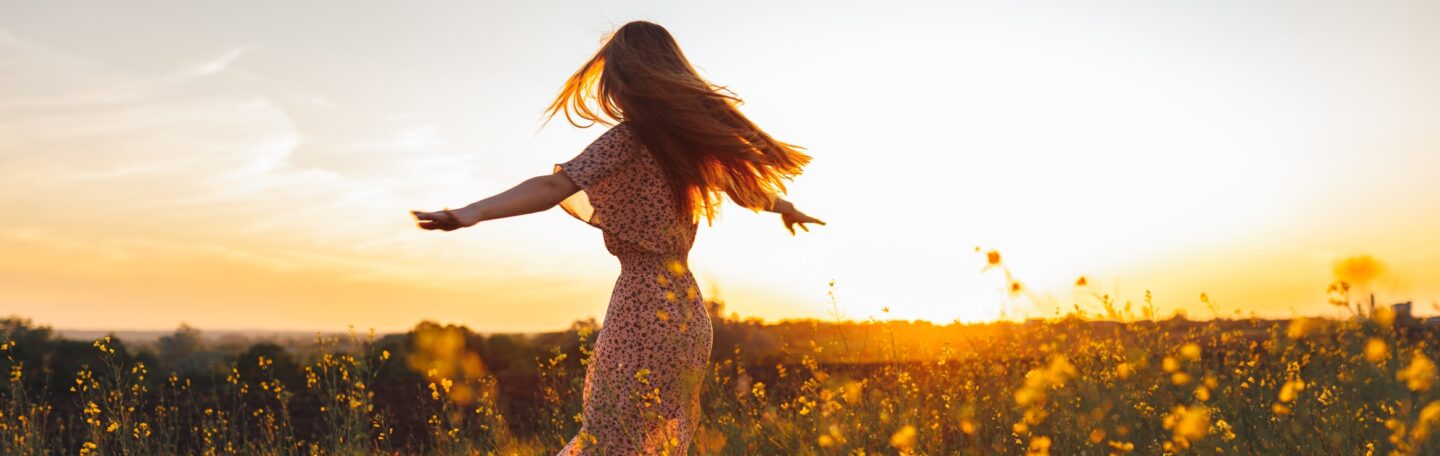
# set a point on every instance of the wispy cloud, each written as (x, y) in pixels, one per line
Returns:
(164, 152)
(223, 61)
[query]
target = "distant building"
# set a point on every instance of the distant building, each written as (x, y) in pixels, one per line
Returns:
(1403, 311)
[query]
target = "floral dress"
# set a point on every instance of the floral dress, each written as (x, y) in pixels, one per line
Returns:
(642, 386)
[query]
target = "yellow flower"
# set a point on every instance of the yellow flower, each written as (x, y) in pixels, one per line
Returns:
(1124, 371)
(1190, 352)
(1420, 374)
(1291, 389)
(1226, 432)
(992, 258)
(1039, 381)
(1097, 435)
(1039, 445)
(1385, 316)
(1359, 270)
(1188, 423)
(903, 439)
(1300, 327)
(854, 392)
(1169, 364)
(1180, 378)
(1430, 415)
(1376, 350)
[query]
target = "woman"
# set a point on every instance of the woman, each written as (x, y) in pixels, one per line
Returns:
(676, 143)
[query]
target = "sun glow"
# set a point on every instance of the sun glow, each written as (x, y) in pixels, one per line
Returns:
(227, 178)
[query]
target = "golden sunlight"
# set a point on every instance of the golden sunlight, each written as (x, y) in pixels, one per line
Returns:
(226, 175)
(465, 227)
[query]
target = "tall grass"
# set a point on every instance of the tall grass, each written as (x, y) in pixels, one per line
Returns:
(1365, 385)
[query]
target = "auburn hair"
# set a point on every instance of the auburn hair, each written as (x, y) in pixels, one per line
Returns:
(640, 77)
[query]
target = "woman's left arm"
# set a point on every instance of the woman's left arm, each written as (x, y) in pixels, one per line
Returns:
(533, 195)
(790, 216)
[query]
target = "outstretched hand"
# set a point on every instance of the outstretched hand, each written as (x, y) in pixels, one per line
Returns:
(443, 220)
(794, 218)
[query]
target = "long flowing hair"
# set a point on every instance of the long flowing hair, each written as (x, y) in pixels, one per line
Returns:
(640, 77)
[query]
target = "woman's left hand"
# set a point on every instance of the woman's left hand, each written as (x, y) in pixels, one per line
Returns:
(793, 218)
(443, 220)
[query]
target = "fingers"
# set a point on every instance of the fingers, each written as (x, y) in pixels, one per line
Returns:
(441, 220)
(806, 218)
(435, 221)
(426, 220)
(802, 220)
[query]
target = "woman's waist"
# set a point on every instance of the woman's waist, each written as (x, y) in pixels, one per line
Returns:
(646, 252)
(623, 244)
(670, 305)
(676, 266)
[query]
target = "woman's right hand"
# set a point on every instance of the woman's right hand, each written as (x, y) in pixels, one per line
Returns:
(443, 220)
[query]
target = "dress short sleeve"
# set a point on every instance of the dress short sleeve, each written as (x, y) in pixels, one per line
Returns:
(600, 159)
(627, 195)
(589, 170)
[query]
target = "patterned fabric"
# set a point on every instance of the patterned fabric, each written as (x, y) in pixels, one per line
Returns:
(642, 387)
(626, 194)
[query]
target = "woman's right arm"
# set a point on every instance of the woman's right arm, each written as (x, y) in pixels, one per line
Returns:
(533, 195)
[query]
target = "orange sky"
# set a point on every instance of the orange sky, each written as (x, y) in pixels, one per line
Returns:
(251, 165)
